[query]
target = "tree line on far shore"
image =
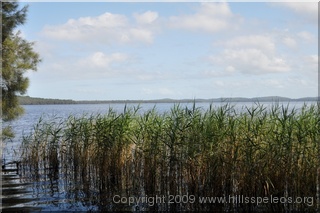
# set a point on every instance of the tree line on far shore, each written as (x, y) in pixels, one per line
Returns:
(27, 100)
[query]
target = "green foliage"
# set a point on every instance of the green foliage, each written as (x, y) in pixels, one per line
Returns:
(254, 152)
(26, 100)
(18, 57)
(11, 17)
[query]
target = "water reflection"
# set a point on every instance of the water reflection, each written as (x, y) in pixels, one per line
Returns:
(82, 176)
(30, 190)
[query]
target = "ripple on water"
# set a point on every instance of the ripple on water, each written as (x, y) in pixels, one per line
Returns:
(46, 192)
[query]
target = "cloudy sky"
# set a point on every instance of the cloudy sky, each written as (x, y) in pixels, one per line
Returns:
(112, 51)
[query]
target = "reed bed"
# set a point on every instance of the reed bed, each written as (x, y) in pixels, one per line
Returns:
(216, 152)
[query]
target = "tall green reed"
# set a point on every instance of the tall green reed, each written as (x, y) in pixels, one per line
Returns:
(218, 151)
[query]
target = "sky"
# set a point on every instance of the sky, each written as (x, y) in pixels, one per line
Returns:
(149, 50)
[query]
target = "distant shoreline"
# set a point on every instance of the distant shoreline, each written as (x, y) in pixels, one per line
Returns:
(26, 100)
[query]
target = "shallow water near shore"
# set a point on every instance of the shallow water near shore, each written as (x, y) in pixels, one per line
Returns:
(54, 189)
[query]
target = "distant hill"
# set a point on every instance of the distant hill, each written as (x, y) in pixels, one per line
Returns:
(26, 100)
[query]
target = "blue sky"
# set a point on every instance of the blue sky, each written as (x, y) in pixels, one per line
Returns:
(116, 51)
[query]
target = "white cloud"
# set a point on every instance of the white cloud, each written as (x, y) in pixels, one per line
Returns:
(140, 34)
(210, 17)
(101, 65)
(46, 50)
(252, 54)
(254, 61)
(93, 66)
(236, 64)
(314, 59)
(306, 36)
(230, 69)
(261, 42)
(307, 10)
(311, 63)
(295, 82)
(106, 28)
(293, 39)
(146, 18)
(290, 42)
(101, 60)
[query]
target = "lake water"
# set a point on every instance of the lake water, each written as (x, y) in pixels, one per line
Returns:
(24, 124)
(19, 194)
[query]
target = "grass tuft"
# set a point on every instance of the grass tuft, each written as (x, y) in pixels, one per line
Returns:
(219, 151)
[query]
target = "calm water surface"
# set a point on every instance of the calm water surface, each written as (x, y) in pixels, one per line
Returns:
(48, 193)
(33, 113)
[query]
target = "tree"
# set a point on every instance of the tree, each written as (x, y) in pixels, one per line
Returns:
(12, 17)
(18, 57)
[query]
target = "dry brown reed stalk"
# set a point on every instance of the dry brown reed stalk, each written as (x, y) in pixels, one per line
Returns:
(218, 151)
